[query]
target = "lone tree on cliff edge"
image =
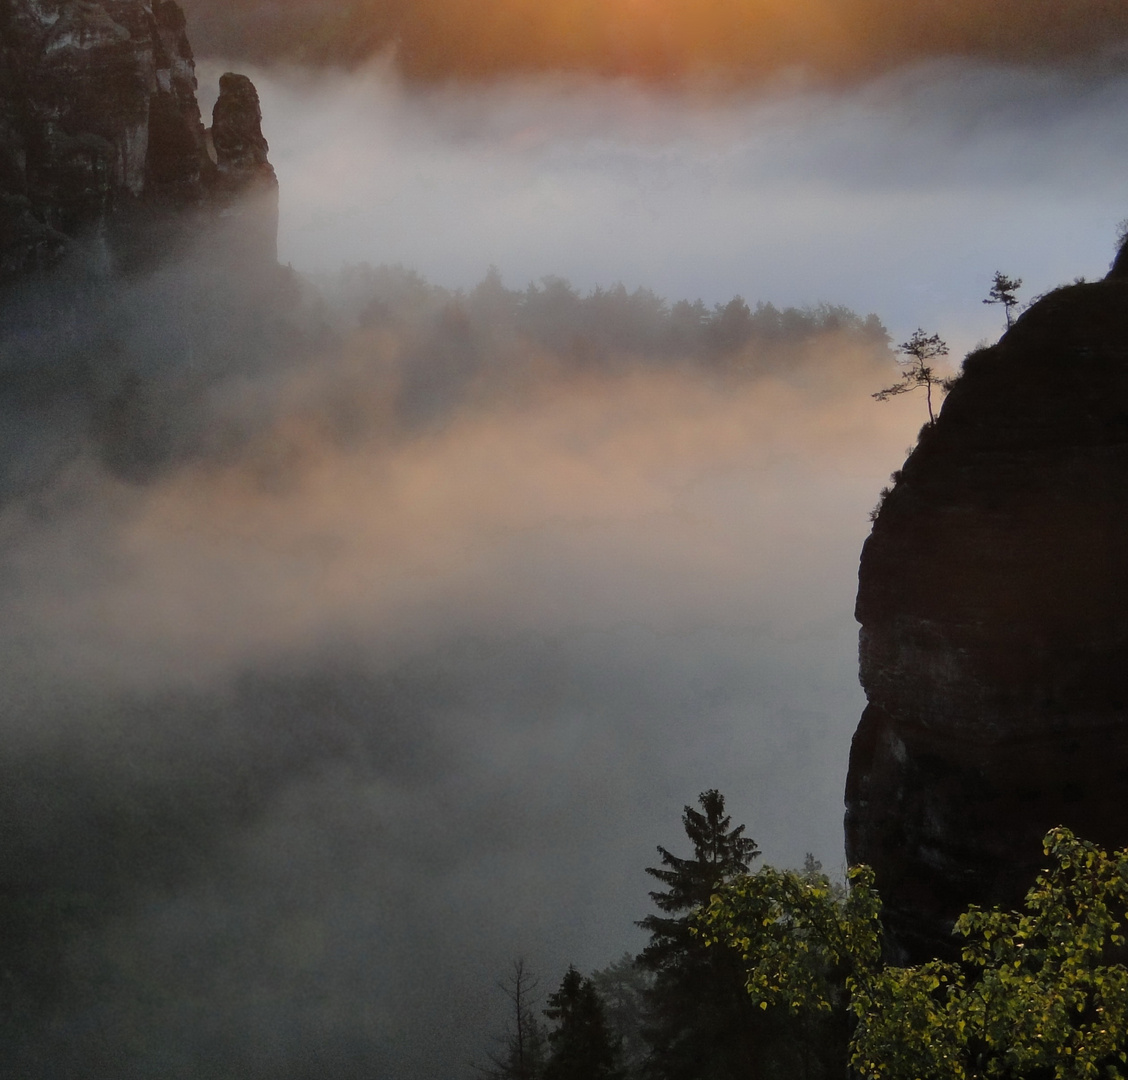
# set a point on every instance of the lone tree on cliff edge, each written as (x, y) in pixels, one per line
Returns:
(918, 354)
(1003, 290)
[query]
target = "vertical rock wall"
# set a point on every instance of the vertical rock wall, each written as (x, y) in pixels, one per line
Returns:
(100, 132)
(246, 188)
(993, 602)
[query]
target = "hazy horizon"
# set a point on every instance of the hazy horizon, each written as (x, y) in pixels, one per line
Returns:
(901, 196)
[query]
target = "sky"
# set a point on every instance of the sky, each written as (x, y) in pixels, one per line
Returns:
(350, 658)
(727, 43)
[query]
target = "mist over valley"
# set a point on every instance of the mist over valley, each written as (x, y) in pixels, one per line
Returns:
(371, 618)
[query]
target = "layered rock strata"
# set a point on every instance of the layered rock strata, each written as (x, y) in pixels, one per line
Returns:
(101, 138)
(993, 602)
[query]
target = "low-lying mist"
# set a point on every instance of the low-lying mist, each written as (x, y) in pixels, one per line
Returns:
(362, 635)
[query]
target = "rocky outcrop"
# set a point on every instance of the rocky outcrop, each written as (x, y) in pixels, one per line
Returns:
(101, 138)
(993, 602)
(245, 185)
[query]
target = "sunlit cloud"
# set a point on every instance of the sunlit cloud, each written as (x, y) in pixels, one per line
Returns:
(725, 43)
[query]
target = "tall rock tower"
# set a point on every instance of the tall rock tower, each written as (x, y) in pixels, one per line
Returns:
(993, 602)
(138, 251)
(245, 187)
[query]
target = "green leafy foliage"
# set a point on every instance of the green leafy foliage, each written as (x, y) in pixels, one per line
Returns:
(1038, 993)
(793, 931)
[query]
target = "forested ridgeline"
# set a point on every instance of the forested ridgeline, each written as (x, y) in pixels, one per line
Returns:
(605, 325)
(147, 372)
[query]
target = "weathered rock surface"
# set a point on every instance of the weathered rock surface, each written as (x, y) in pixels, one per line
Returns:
(993, 602)
(100, 132)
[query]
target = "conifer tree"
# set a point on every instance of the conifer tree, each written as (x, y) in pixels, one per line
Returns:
(581, 1046)
(624, 988)
(702, 1026)
(917, 369)
(1004, 291)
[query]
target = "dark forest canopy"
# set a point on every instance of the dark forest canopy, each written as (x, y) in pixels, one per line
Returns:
(737, 41)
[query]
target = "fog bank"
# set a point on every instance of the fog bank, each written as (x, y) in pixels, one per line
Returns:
(391, 654)
(367, 629)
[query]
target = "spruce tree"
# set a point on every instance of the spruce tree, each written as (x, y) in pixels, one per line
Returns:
(581, 1046)
(702, 1024)
(624, 988)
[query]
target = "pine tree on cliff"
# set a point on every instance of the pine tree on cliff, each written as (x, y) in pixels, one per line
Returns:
(917, 369)
(702, 1024)
(1004, 291)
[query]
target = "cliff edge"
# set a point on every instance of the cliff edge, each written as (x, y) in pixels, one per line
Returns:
(993, 602)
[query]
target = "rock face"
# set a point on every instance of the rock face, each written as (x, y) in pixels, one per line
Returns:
(993, 602)
(100, 132)
(245, 184)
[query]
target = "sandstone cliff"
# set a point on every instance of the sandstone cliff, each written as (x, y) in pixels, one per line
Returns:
(101, 138)
(245, 186)
(993, 602)
(138, 261)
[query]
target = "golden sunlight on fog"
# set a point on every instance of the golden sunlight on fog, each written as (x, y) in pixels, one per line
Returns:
(724, 42)
(583, 500)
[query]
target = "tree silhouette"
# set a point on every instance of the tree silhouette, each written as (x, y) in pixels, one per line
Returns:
(701, 1021)
(624, 987)
(1003, 290)
(582, 1045)
(524, 1053)
(917, 370)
